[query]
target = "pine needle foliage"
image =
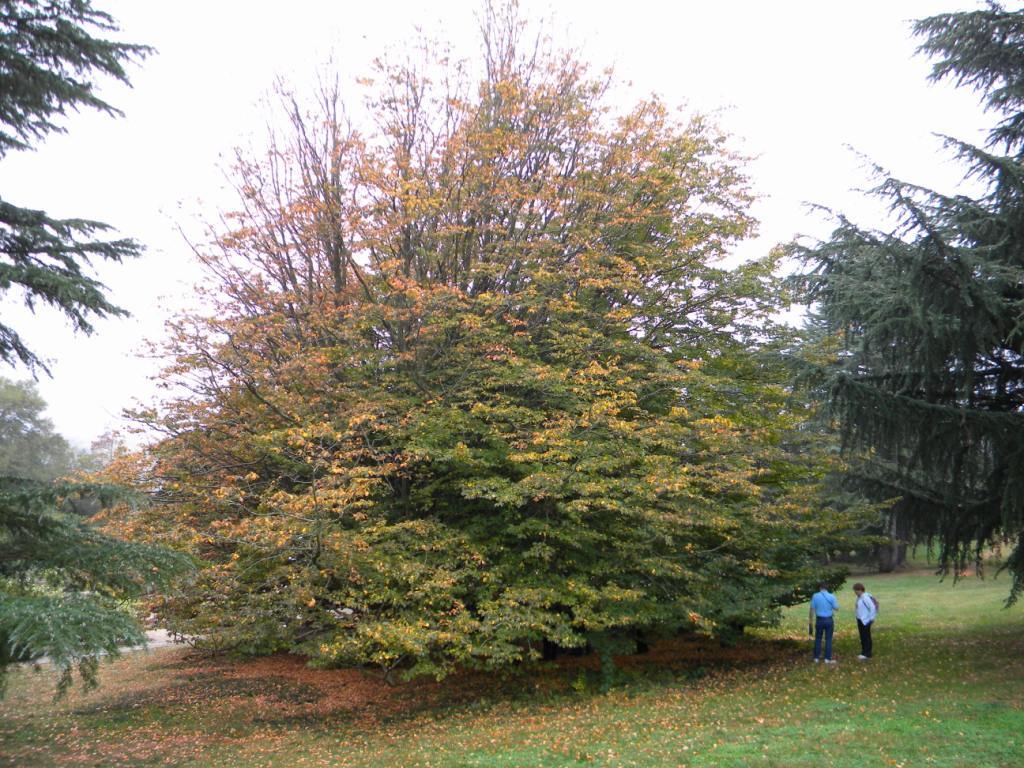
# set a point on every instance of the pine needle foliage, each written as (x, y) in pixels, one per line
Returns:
(930, 386)
(48, 57)
(65, 585)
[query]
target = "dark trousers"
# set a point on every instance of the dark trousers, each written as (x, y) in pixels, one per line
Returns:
(865, 638)
(823, 628)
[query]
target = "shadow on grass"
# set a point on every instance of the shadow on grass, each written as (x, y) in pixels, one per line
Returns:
(281, 692)
(188, 691)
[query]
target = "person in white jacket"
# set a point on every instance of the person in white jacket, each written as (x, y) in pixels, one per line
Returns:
(866, 613)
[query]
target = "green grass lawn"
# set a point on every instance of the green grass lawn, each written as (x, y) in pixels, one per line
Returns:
(946, 688)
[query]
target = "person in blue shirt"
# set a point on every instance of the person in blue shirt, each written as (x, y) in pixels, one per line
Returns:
(823, 606)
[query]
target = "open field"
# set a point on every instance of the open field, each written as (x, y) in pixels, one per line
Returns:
(946, 688)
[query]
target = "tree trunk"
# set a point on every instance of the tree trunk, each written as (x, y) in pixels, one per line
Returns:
(892, 554)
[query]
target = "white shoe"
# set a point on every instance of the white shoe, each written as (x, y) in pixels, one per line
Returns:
(862, 657)
(830, 661)
(816, 661)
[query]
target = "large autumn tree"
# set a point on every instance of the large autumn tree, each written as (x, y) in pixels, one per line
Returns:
(930, 385)
(478, 381)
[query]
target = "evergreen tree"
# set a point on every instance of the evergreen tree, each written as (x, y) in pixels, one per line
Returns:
(929, 389)
(63, 582)
(48, 57)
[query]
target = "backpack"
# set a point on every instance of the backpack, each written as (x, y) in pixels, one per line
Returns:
(874, 600)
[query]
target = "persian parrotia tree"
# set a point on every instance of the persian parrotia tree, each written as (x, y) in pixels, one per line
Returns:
(931, 386)
(476, 382)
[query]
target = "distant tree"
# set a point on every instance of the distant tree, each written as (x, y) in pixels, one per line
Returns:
(29, 448)
(48, 57)
(102, 452)
(63, 583)
(929, 389)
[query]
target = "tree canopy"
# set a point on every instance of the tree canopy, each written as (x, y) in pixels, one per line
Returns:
(30, 449)
(930, 386)
(48, 59)
(477, 380)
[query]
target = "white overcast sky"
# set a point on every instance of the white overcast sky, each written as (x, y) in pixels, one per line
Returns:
(796, 82)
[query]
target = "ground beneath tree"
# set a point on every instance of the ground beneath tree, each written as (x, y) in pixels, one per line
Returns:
(945, 688)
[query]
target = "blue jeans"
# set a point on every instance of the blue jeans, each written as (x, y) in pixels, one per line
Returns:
(823, 627)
